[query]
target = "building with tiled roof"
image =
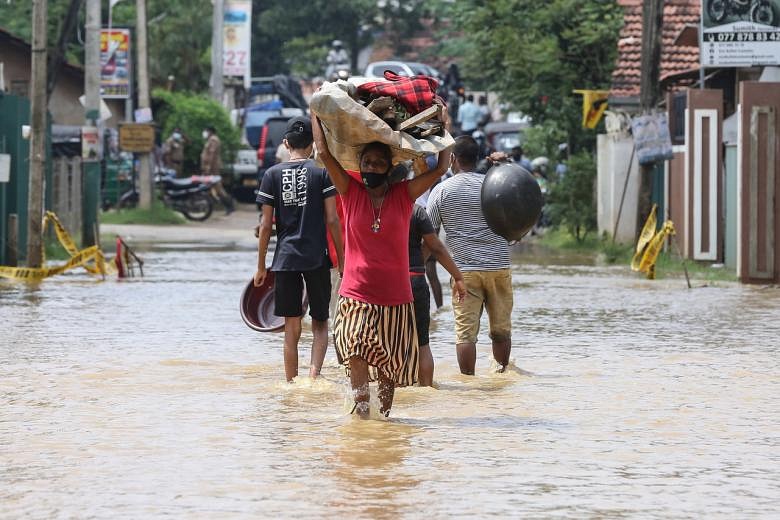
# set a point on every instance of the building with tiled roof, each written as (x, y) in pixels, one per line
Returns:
(679, 63)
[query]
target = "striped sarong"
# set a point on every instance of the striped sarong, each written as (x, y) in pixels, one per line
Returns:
(384, 335)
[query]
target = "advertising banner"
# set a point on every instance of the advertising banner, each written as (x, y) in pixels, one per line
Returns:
(115, 65)
(740, 33)
(237, 31)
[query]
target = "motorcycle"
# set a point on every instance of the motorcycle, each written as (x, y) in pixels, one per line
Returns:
(189, 197)
(759, 11)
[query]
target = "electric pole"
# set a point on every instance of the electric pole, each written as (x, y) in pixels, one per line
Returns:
(217, 86)
(146, 186)
(91, 165)
(652, 27)
(58, 58)
(37, 134)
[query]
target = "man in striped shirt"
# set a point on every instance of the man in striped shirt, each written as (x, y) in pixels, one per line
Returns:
(480, 254)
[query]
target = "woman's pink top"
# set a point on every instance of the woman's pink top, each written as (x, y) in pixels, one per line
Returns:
(376, 265)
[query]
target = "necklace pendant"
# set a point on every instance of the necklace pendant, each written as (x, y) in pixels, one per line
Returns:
(375, 225)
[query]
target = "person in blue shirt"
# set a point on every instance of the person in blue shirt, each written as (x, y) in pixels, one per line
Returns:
(469, 115)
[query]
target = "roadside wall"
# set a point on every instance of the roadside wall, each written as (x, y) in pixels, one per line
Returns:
(614, 161)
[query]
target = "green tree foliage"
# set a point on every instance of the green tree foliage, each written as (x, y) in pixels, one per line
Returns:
(179, 35)
(179, 39)
(192, 113)
(16, 18)
(571, 201)
(535, 53)
(288, 36)
(294, 35)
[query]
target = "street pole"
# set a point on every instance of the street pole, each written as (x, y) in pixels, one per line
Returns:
(91, 165)
(146, 188)
(217, 86)
(652, 24)
(37, 135)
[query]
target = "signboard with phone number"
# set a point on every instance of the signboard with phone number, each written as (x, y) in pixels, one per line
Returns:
(740, 33)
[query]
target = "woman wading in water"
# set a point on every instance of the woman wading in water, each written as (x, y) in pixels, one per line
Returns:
(374, 324)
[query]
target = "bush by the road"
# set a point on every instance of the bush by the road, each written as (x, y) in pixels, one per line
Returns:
(571, 201)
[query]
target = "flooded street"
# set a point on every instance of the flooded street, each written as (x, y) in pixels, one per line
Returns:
(149, 397)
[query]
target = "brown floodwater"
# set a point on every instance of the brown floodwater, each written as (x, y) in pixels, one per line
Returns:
(149, 397)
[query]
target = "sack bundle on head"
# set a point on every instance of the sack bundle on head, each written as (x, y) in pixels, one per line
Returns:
(400, 113)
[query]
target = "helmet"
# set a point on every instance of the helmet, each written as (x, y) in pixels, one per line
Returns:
(540, 165)
(336, 43)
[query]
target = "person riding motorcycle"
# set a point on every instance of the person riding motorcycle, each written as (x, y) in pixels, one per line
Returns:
(338, 63)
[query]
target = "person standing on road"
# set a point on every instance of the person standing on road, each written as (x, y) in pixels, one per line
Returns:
(480, 254)
(299, 195)
(421, 232)
(484, 111)
(173, 151)
(468, 115)
(210, 156)
(375, 321)
(211, 164)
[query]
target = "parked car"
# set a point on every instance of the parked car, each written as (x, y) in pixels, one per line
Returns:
(270, 137)
(256, 116)
(268, 97)
(502, 136)
(377, 69)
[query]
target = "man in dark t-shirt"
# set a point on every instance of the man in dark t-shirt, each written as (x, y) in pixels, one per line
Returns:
(421, 231)
(298, 195)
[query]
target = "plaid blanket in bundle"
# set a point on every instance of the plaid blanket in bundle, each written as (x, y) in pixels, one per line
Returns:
(415, 93)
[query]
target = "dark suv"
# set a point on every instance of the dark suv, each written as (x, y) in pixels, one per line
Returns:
(271, 135)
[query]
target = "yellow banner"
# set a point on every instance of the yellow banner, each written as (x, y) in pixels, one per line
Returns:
(594, 103)
(90, 258)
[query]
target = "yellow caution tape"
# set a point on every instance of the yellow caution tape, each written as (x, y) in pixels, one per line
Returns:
(647, 265)
(91, 258)
(648, 231)
(650, 244)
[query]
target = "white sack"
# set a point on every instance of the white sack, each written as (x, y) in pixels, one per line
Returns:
(349, 126)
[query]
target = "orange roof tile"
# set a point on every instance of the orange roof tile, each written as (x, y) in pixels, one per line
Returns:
(674, 58)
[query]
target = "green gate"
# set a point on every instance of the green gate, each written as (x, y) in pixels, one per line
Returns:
(14, 112)
(14, 195)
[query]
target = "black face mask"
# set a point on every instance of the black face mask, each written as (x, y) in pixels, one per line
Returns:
(373, 180)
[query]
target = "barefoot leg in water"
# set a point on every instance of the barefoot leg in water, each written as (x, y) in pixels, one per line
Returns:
(425, 375)
(467, 357)
(386, 393)
(292, 334)
(358, 377)
(319, 346)
(501, 350)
